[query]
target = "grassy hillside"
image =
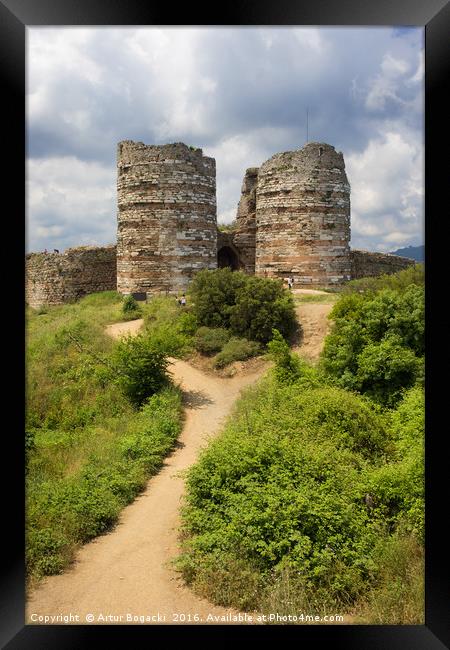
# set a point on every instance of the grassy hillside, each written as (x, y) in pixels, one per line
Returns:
(90, 448)
(312, 499)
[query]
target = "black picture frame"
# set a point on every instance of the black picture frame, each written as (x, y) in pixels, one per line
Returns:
(434, 16)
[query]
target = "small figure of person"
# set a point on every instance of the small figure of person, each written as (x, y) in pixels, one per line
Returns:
(183, 300)
(45, 250)
(290, 284)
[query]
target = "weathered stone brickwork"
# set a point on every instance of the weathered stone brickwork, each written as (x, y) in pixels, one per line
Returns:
(245, 233)
(303, 216)
(56, 278)
(293, 219)
(167, 224)
(365, 264)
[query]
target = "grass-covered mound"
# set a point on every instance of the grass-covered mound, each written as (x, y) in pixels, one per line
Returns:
(293, 499)
(101, 416)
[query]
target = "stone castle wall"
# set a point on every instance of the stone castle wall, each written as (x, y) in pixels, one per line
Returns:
(293, 219)
(365, 264)
(303, 216)
(167, 225)
(56, 278)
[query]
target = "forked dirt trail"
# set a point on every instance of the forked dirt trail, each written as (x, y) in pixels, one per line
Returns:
(127, 571)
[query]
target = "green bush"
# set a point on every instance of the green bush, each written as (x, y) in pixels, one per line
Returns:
(261, 305)
(209, 340)
(249, 307)
(277, 513)
(285, 484)
(139, 366)
(131, 308)
(398, 488)
(236, 350)
(287, 364)
(376, 345)
(213, 294)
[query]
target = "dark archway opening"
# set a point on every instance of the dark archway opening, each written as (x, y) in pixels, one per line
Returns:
(226, 257)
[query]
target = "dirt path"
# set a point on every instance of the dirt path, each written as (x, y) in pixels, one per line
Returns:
(127, 571)
(313, 318)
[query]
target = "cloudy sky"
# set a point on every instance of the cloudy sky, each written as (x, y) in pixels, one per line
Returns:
(241, 95)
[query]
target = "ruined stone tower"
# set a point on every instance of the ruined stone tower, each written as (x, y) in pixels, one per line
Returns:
(303, 216)
(167, 223)
(245, 233)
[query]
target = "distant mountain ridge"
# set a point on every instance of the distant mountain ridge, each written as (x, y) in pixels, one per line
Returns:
(414, 252)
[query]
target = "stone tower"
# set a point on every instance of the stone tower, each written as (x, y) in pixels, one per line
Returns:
(303, 216)
(167, 222)
(245, 233)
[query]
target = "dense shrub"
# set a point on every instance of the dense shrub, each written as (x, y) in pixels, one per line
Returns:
(236, 349)
(284, 484)
(139, 365)
(278, 512)
(376, 345)
(262, 305)
(398, 488)
(209, 340)
(130, 308)
(249, 307)
(213, 294)
(287, 364)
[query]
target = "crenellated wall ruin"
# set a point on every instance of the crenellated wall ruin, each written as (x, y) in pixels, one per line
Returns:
(57, 278)
(293, 219)
(366, 264)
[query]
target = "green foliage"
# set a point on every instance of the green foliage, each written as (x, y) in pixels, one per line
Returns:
(213, 294)
(139, 365)
(385, 369)
(69, 504)
(130, 308)
(287, 364)
(170, 327)
(249, 307)
(376, 345)
(276, 515)
(209, 340)
(398, 488)
(236, 349)
(261, 305)
(413, 275)
(88, 451)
